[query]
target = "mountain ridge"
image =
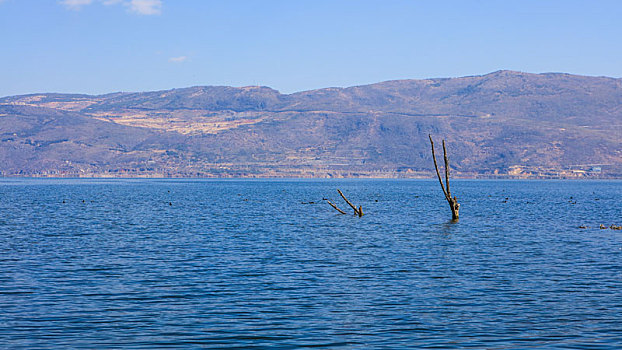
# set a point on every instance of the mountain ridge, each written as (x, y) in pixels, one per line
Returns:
(501, 124)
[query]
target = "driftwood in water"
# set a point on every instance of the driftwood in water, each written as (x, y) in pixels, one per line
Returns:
(358, 212)
(334, 206)
(453, 202)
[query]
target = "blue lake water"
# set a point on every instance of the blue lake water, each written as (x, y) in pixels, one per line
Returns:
(253, 264)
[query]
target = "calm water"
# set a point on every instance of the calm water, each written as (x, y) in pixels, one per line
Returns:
(252, 264)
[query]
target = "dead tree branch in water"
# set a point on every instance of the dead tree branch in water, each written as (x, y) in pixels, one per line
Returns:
(334, 206)
(453, 202)
(358, 211)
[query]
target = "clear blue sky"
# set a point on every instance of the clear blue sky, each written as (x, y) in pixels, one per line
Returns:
(99, 46)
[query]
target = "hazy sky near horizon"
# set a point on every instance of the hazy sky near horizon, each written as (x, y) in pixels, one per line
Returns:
(100, 46)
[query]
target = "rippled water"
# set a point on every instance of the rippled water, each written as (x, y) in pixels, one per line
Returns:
(250, 263)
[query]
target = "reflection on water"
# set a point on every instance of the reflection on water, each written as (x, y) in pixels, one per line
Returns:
(179, 263)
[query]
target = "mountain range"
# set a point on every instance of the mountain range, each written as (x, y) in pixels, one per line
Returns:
(502, 124)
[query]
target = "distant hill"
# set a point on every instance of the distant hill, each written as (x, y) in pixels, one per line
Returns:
(503, 124)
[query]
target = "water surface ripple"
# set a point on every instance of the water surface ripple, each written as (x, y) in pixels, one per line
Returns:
(142, 264)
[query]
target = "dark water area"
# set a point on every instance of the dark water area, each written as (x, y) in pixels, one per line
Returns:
(149, 264)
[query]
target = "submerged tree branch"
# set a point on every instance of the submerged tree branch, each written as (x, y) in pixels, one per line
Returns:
(334, 206)
(356, 211)
(438, 174)
(453, 202)
(446, 169)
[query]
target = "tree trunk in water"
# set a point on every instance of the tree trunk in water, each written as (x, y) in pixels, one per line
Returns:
(453, 201)
(358, 212)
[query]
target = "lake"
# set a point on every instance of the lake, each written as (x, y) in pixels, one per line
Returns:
(156, 263)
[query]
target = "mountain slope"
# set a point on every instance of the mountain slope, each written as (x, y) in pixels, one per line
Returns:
(501, 124)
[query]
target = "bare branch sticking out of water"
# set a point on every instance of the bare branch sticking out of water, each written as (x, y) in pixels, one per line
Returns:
(358, 211)
(334, 206)
(453, 202)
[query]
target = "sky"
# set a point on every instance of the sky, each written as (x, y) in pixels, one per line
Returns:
(102, 46)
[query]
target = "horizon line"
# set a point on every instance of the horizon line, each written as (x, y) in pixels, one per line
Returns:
(309, 90)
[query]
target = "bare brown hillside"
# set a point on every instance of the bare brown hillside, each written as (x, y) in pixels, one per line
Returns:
(506, 124)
